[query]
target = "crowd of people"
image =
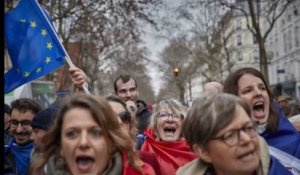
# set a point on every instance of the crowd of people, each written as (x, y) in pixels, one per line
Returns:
(235, 127)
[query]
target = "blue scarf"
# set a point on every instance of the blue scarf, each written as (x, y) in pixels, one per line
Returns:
(21, 155)
(286, 138)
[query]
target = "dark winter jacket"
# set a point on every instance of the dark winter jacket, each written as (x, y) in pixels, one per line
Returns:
(143, 116)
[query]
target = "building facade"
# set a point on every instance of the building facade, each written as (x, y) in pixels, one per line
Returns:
(284, 44)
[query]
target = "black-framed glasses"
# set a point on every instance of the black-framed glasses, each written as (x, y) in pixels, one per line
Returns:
(125, 116)
(24, 123)
(232, 137)
(165, 116)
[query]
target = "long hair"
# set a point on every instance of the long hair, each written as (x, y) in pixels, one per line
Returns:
(231, 86)
(103, 115)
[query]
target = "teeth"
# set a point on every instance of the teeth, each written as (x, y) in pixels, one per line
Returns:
(259, 103)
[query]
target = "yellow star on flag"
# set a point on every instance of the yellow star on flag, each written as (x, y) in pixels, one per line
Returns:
(27, 74)
(33, 24)
(48, 60)
(49, 46)
(39, 69)
(44, 32)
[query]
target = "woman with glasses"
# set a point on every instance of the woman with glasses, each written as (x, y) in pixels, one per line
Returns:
(218, 128)
(282, 138)
(128, 123)
(88, 139)
(164, 136)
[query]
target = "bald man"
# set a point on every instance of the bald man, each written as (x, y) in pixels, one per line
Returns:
(213, 87)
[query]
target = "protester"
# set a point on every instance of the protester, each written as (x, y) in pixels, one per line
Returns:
(6, 123)
(127, 121)
(227, 141)
(213, 87)
(126, 88)
(87, 138)
(295, 120)
(40, 124)
(285, 105)
(17, 150)
(6, 117)
(164, 137)
(282, 138)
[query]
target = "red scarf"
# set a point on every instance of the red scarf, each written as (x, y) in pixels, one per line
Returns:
(129, 170)
(170, 155)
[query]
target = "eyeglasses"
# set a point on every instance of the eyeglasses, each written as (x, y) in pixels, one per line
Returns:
(125, 116)
(24, 123)
(232, 137)
(165, 116)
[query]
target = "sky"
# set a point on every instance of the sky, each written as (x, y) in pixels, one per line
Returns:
(156, 46)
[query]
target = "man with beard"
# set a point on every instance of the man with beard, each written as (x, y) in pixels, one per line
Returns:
(17, 151)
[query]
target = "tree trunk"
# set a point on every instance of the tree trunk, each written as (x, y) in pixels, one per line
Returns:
(263, 59)
(181, 91)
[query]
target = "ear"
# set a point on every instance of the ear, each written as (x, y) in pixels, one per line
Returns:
(202, 152)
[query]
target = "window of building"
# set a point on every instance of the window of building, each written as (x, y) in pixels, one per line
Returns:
(238, 23)
(239, 56)
(296, 34)
(239, 40)
(284, 42)
(256, 55)
(289, 40)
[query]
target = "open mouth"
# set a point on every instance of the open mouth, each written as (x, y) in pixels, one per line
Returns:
(169, 129)
(258, 109)
(84, 163)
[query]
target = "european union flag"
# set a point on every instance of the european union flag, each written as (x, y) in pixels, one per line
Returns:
(32, 44)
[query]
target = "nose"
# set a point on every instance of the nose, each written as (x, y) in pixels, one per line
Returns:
(83, 143)
(244, 137)
(170, 118)
(128, 94)
(257, 91)
(19, 128)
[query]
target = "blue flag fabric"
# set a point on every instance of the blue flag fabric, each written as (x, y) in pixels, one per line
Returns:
(286, 138)
(32, 44)
(276, 168)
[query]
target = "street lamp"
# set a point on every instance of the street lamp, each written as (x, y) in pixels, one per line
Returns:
(176, 71)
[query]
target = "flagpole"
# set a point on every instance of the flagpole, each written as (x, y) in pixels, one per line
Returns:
(67, 57)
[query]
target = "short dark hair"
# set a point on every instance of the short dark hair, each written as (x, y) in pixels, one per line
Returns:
(125, 79)
(231, 86)
(25, 104)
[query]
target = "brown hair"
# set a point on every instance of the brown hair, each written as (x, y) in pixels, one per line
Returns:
(102, 114)
(231, 86)
(209, 114)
